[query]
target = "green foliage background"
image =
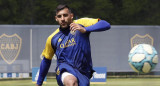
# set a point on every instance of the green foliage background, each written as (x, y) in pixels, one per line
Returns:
(117, 12)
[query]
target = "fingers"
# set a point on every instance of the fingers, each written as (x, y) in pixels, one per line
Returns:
(73, 27)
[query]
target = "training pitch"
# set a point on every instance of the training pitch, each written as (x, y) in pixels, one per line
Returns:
(110, 82)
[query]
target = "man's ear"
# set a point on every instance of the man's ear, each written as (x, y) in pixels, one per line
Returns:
(56, 18)
(72, 15)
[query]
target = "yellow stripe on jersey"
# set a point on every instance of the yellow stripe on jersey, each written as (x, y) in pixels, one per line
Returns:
(48, 52)
(86, 21)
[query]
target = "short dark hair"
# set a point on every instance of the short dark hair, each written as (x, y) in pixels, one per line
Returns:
(62, 6)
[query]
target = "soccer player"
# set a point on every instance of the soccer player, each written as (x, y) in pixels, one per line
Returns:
(70, 42)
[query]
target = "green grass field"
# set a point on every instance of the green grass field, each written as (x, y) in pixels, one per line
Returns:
(110, 82)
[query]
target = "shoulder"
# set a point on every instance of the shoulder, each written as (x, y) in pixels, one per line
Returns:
(52, 35)
(86, 21)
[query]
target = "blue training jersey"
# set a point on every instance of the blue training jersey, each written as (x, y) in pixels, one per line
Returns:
(73, 49)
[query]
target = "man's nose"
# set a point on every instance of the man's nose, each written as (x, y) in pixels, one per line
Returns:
(62, 18)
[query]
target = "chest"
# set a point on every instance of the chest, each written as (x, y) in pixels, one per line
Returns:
(63, 41)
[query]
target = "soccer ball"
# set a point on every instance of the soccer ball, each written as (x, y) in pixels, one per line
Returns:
(143, 58)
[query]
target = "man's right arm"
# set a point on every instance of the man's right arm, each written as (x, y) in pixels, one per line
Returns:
(47, 53)
(44, 67)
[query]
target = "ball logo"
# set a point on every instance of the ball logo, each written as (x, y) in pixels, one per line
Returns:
(138, 39)
(10, 46)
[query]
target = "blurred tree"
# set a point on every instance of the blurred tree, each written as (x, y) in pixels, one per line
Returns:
(102, 9)
(141, 12)
(117, 12)
(15, 11)
(44, 11)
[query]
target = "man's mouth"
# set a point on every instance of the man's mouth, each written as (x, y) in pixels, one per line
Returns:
(64, 23)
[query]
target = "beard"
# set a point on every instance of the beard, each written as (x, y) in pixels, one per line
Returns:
(65, 25)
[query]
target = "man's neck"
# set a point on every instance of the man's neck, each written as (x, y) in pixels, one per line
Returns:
(67, 28)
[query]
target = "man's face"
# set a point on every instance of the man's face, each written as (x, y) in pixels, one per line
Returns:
(64, 18)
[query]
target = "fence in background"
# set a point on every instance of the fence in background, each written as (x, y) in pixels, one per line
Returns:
(21, 46)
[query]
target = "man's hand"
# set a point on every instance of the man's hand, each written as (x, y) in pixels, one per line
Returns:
(74, 27)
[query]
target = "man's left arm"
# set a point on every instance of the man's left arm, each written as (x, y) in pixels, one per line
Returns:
(101, 25)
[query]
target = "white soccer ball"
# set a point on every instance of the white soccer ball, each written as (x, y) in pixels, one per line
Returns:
(143, 58)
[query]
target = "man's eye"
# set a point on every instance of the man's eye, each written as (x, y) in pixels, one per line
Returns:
(65, 15)
(59, 16)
